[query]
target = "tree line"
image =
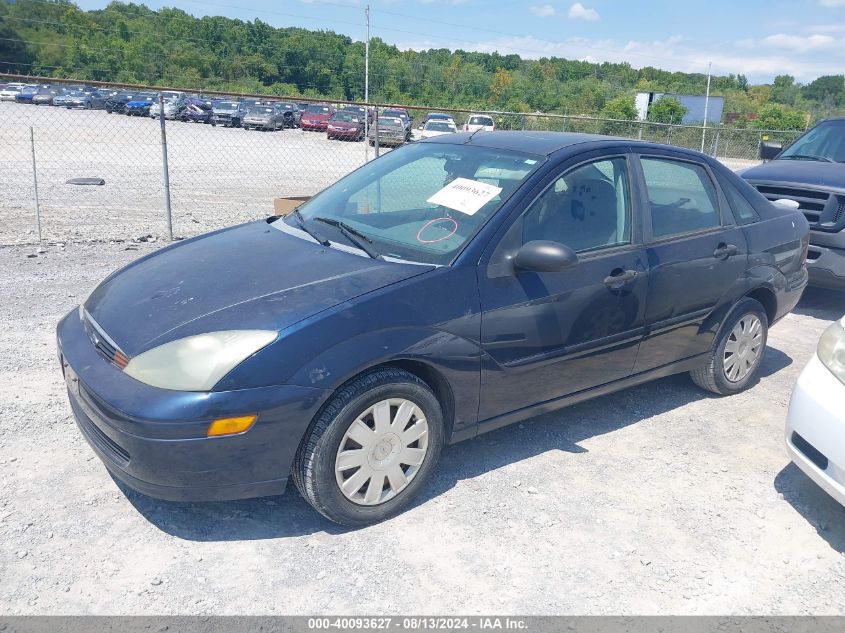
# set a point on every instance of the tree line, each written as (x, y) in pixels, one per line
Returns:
(131, 43)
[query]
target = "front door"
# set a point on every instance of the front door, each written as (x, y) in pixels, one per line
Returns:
(549, 334)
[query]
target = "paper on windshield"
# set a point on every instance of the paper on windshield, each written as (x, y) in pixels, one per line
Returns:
(465, 195)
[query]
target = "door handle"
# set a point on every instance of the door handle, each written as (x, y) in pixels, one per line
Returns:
(620, 278)
(724, 250)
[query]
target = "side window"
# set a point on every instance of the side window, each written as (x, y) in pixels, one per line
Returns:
(743, 211)
(682, 197)
(587, 208)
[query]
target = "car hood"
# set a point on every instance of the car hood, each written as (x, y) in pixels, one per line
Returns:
(138, 104)
(251, 276)
(805, 172)
(316, 117)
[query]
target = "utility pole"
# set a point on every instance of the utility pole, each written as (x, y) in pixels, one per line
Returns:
(367, 88)
(706, 106)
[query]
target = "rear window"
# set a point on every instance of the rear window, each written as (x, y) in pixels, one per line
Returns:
(480, 120)
(744, 213)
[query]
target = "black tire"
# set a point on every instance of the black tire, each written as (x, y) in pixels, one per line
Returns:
(712, 376)
(313, 469)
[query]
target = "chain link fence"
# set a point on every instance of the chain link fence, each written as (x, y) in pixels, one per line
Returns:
(221, 175)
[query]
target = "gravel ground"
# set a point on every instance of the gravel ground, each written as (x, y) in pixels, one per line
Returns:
(656, 500)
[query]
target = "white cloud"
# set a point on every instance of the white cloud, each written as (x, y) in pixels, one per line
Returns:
(795, 43)
(542, 10)
(579, 12)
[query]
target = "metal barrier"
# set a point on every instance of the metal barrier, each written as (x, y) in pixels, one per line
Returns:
(213, 176)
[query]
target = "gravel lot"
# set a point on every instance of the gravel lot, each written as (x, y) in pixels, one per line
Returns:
(656, 500)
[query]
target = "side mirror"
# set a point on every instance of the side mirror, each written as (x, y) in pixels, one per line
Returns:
(770, 149)
(545, 257)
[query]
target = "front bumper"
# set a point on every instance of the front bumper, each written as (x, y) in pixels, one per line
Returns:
(154, 440)
(815, 428)
(826, 266)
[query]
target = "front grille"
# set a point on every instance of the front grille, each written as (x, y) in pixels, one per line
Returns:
(824, 211)
(809, 451)
(103, 344)
(98, 439)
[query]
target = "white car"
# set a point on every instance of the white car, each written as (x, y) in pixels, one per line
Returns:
(10, 90)
(477, 122)
(815, 424)
(437, 127)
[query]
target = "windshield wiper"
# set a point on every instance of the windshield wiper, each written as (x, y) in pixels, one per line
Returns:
(353, 235)
(301, 221)
(823, 159)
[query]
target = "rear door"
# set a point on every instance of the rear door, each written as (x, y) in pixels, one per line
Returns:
(697, 257)
(546, 335)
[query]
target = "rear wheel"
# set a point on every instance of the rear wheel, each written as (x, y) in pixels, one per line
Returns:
(371, 448)
(738, 351)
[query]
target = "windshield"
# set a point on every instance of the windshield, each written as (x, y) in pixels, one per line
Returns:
(396, 113)
(316, 109)
(385, 122)
(421, 203)
(825, 142)
(348, 117)
(226, 105)
(261, 110)
(439, 126)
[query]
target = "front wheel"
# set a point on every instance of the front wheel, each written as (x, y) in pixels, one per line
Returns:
(371, 448)
(737, 352)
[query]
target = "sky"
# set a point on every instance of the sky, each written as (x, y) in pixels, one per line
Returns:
(757, 38)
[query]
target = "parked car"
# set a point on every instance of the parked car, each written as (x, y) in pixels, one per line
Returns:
(85, 100)
(361, 111)
(476, 122)
(437, 116)
(815, 424)
(45, 96)
(197, 111)
(291, 114)
(116, 103)
(27, 94)
(316, 117)
(452, 286)
(303, 106)
(436, 127)
(265, 117)
(811, 173)
(10, 91)
(402, 114)
(172, 102)
(228, 113)
(345, 126)
(390, 130)
(141, 104)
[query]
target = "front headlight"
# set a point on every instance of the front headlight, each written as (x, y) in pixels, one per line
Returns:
(831, 349)
(197, 363)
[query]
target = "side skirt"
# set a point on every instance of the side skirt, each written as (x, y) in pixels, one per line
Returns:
(548, 406)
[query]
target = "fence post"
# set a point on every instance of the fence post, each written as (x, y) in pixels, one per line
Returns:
(375, 142)
(35, 185)
(716, 143)
(165, 169)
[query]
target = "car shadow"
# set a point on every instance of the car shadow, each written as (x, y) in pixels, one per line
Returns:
(820, 303)
(817, 507)
(290, 515)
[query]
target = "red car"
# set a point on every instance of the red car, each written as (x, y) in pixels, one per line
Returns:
(345, 126)
(316, 117)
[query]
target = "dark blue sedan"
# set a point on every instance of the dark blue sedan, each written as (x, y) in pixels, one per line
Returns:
(446, 289)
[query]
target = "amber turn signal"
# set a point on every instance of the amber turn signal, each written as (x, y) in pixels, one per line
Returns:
(231, 426)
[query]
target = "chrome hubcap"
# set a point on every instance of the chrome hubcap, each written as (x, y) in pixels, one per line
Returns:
(744, 347)
(381, 451)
